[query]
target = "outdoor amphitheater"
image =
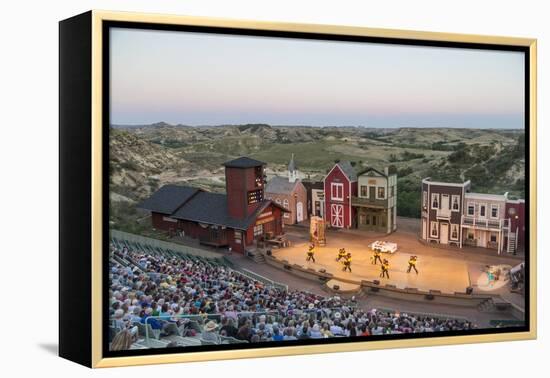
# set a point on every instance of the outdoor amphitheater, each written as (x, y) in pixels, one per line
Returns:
(164, 295)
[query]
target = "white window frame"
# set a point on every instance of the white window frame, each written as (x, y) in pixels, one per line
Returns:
(485, 206)
(472, 204)
(237, 236)
(454, 225)
(258, 230)
(361, 191)
(435, 195)
(441, 201)
(432, 223)
(278, 201)
(377, 189)
(286, 204)
(286, 215)
(339, 188)
(497, 207)
(453, 197)
(168, 219)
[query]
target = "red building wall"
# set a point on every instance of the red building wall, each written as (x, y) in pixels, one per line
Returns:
(517, 220)
(236, 187)
(332, 213)
(159, 222)
(239, 181)
(354, 192)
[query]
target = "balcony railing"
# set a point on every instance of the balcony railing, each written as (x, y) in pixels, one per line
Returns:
(487, 223)
(369, 202)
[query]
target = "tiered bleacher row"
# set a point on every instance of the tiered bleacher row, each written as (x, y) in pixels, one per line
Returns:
(164, 298)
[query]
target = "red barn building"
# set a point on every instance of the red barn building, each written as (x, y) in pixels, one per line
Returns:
(340, 185)
(236, 219)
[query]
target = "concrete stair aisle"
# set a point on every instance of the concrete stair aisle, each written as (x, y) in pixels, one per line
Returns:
(258, 257)
(486, 306)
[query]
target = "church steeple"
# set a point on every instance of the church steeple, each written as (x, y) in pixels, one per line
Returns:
(292, 170)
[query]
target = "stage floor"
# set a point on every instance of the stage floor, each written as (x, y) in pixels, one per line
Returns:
(436, 272)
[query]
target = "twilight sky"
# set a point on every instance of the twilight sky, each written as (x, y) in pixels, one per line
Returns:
(208, 79)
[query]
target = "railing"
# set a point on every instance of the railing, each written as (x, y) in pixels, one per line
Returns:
(362, 201)
(255, 276)
(495, 224)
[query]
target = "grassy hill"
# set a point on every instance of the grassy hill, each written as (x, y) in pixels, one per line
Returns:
(145, 157)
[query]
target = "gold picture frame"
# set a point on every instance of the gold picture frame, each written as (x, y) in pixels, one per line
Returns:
(92, 24)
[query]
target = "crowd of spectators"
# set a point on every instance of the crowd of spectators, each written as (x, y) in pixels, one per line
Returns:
(214, 302)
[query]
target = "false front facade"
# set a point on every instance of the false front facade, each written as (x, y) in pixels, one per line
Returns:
(451, 214)
(442, 211)
(376, 201)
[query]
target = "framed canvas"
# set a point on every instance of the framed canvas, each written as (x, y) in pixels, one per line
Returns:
(234, 189)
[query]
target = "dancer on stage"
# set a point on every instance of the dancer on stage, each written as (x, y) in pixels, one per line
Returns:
(376, 256)
(311, 253)
(412, 264)
(385, 269)
(347, 262)
(341, 254)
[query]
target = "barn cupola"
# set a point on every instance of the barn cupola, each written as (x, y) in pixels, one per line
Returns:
(244, 185)
(292, 170)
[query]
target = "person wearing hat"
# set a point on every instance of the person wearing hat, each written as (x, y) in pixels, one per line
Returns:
(209, 332)
(385, 269)
(347, 262)
(376, 256)
(311, 253)
(412, 264)
(341, 254)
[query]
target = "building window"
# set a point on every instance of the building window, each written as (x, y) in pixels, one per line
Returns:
(278, 201)
(258, 230)
(454, 231)
(337, 191)
(364, 191)
(435, 201)
(493, 238)
(381, 193)
(434, 230)
(470, 235)
(238, 237)
(285, 204)
(455, 204)
(471, 209)
(494, 211)
(374, 220)
(286, 215)
(425, 198)
(392, 191)
(482, 209)
(255, 196)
